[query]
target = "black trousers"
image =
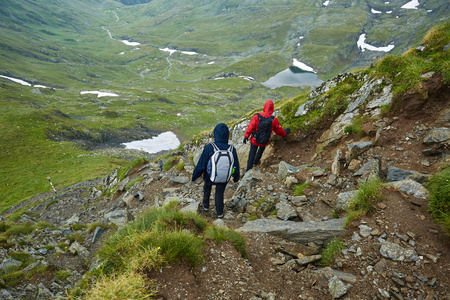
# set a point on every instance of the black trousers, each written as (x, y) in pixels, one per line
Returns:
(218, 198)
(254, 155)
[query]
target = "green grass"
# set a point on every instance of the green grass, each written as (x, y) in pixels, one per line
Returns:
(159, 237)
(439, 205)
(133, 182)
(369, 193)
(405, 71)
(330, 251)
(13, 279)
(220, 234)
(356, 127)
(299, 190)
(323, 110)
(260, 201)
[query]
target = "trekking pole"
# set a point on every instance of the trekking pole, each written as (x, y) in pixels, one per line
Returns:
(51, 184)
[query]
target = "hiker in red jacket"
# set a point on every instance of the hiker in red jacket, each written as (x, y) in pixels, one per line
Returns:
(259, 130)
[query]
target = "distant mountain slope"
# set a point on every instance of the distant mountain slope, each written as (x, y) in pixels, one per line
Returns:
(322, 34)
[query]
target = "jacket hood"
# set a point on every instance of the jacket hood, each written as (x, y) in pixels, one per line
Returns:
(221, 133)
(268, 107)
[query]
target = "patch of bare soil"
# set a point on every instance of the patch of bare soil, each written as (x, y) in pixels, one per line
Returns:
(227, 275)
(399, 217)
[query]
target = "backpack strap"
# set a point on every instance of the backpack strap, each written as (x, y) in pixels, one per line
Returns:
(215, 148)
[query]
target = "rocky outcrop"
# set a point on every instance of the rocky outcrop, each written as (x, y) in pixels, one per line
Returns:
(364, 97)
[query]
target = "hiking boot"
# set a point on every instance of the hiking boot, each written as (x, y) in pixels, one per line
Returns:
(205, 208)
(215, 215)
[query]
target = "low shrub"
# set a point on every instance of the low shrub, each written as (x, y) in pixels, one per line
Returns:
(299, 190)
(368, 194)
(356, 127)
(220, 234)
(128, 285)
(439, 204)
(330, 251)
(133, 182)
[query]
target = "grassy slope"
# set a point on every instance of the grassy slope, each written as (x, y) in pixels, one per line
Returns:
(27, 157)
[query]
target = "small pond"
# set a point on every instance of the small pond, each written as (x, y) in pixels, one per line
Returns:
(293, 76)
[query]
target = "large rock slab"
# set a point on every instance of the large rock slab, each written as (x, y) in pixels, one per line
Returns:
(437, 135)
(299, 232)
(411, 187)
(398, 174)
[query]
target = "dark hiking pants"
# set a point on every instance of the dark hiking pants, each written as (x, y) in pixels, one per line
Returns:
(254, 155)
(218, 198)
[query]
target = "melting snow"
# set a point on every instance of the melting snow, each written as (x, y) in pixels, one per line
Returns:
(302, 66)
(189, 52)
(165, 141)
(411, 5)
(126, 42)
(16, 80)
(171, 51)
(99, 94)
(363, 46)
(23, 82)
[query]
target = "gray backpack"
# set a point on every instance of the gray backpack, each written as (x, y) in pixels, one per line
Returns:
(220, 165)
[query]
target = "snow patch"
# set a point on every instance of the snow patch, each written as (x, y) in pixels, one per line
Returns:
(411, 5)
(302, 66)
(165, 141)
(363, 46)
(99, 94)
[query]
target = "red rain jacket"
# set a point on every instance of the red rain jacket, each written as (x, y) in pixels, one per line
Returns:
(253, 126)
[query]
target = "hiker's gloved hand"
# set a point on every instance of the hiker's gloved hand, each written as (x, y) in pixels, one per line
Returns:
(245, 140)
(287, 130)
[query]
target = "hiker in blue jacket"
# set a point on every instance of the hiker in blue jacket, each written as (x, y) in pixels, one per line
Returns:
(221, 135)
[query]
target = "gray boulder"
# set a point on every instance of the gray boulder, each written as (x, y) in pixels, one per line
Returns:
(344, 200)
(356, 149)
(411, 187)
(437, 135)
(369, 171)
(285, 169)
(336, 287)
(285, 211)
(299, 232)
(398, 174)
(303, 109)
(10, 265)
(81, 251)
(397, 253)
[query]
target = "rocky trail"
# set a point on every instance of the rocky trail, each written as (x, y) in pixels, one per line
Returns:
(396, 252)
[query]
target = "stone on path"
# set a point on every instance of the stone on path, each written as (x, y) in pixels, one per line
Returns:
(299, 232)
